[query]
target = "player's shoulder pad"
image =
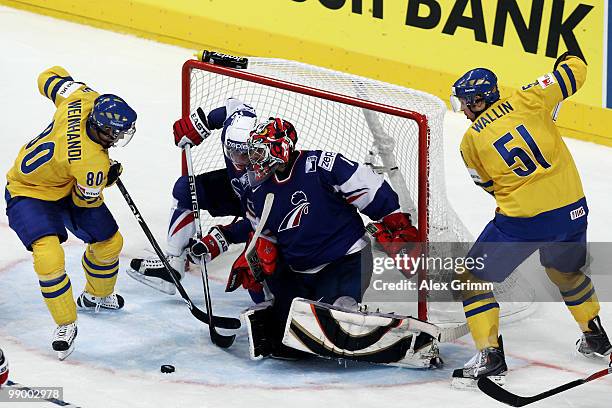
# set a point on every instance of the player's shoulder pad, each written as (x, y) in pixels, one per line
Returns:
(233, 105)
(327, 160)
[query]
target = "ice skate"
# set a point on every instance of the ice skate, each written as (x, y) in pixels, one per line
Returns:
(489, 362)
(153, 273)
(87, 301)
(596, 342)
(63, 340)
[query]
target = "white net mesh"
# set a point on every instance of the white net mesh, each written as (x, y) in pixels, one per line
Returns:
(355, 132)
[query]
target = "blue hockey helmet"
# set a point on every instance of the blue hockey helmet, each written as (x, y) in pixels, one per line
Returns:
(475, 85)
(114, 118)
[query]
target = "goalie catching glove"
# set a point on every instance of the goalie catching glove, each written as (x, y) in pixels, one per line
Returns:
(395, 234)
(209, 247)
(397, 237)
(192, 130)
(241, 274)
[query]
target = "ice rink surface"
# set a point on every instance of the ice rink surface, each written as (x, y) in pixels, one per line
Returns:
(117, 357)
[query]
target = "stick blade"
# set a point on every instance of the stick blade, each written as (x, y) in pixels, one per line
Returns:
(219, 321)
(226, 322)
(496, 392)
(221, 340)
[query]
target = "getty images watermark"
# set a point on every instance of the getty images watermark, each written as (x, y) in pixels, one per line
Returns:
(410, 265)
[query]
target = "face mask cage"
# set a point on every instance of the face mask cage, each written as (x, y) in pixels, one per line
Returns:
(262, 164)
(467, 93)
(116, 137)
(456, 102)
(238, 157)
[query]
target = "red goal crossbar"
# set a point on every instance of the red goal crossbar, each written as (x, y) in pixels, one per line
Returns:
(420, 119)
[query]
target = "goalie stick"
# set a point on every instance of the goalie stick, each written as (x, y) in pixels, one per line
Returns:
(498, 393)
(443, 334)
(251, 254)
(19, 387)
(220, 340)
(225, 322)
(384, 146)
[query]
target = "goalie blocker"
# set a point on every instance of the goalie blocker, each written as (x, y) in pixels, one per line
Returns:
(334, 331)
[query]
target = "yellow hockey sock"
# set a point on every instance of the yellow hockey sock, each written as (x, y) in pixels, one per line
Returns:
(481, 311)
(54, 284)
(101, 265)
(578, 294)
(482, 314)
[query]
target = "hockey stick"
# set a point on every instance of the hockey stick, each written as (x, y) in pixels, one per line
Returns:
(220, 340)
(442, 334)
(251, 254)
(498, 393)
(225, 322)
(29, 390)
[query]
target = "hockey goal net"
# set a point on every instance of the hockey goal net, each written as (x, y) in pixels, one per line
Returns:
(397, 130)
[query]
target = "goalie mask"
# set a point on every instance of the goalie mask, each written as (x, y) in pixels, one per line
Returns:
(235, 145)
(270, 145)
(113, 119)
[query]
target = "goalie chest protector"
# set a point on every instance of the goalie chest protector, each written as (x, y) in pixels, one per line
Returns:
(313, 221)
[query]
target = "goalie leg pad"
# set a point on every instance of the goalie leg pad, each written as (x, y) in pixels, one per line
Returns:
(337, 332)
(264, 331)
(259, 321)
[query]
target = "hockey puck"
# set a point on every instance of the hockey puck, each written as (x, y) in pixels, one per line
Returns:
(167, 369)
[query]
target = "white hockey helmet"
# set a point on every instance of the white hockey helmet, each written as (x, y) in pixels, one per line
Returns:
(235, 145)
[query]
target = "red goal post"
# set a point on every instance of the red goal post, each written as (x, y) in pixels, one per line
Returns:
(420, 119)
(361, 115)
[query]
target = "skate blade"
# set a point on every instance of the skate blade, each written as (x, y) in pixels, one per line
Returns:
(464, 383)
(61, 355)
(596, 356)
(157, 284)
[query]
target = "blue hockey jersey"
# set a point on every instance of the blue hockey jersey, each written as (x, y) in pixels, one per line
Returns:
(314, 219)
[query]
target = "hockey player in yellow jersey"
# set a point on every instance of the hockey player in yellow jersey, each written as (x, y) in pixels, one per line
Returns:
(56, 184)
(514, 151)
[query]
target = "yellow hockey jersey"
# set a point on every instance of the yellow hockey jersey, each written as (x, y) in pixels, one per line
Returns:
(514, 150)
(63, 160)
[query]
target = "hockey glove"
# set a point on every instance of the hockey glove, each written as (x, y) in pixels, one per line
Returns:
(114, 172)
(210, 246)
(241, 273)
(565, 56)
(396, 235)
(192, 130)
